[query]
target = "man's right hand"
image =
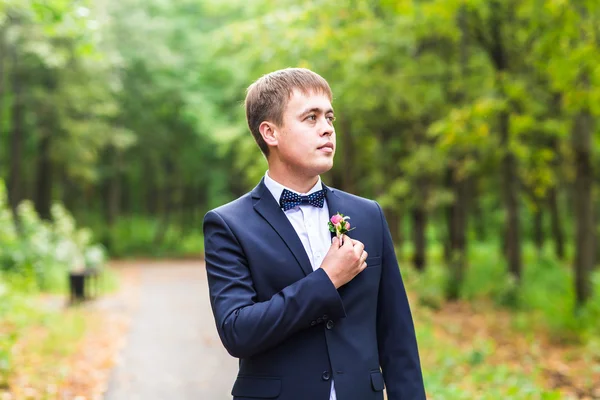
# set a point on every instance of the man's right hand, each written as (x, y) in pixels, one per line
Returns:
(344, 260)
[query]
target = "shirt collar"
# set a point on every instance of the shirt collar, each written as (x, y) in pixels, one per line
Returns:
(276, 188)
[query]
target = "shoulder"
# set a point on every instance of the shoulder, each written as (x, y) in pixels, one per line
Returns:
(367, 206)
(354, 199)
(235, 209)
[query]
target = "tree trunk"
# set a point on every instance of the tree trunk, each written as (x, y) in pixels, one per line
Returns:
(70, 195)
(2, 69)
(538, 228)
(419, 228)
(457, 227)
(388, 164)
(477, 211)
(400, 230)
(556, 225)
(394, 220)
(150, 189)
(192, 202)
(165, 215)
(43, 185)
(165, 220)
(583, 206)
(114, 190)
(419, 224)
(459, 186)
(184, 209)
(448, 217)
(496, 49)
(511, 203)
(16, 137)
(390, 215)
(125, 206)
(48, 127)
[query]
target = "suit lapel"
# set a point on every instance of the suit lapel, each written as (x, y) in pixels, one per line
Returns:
(269, 209)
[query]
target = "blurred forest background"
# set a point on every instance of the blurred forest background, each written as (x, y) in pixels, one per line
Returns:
(474, 123)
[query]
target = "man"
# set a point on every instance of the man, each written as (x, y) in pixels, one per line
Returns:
(310, 317)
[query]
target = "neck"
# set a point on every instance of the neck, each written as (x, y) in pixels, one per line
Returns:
(295, 181)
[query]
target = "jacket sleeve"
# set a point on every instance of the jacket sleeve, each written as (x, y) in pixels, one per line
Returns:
(397, 343)
(247, 327)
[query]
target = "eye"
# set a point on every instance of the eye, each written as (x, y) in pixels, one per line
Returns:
(331, 118)
(312, 117)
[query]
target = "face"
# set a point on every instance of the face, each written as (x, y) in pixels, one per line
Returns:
(305, 142)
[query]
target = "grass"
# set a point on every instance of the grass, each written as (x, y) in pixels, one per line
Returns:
(37, 334)
(545, 297)
(462, 359)
(451, 372)
(41, 355)
(500, 340)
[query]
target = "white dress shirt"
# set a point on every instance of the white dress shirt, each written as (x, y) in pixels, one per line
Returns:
(310, 223)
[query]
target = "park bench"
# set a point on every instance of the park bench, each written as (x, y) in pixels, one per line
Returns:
(84, 283)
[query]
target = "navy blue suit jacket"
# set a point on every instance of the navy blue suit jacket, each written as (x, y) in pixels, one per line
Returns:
(291, 329)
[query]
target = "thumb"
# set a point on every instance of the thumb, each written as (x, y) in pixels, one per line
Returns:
(334, 241)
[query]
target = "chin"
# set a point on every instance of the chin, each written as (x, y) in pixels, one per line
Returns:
(324, 168)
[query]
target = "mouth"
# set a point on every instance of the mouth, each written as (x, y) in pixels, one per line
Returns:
(327, 147)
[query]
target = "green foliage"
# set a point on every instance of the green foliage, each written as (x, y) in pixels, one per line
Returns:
(141, 102)
(137, 237)
(544, 298)
(45, 251)
(429, 285)
(38, 258)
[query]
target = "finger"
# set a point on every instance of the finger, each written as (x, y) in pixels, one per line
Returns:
(347, 241)
(358, 249)
(355, 242)
(363, 256)
(363, 266)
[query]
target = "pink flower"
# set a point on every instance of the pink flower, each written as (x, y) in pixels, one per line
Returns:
(336, 219)
(338, 224)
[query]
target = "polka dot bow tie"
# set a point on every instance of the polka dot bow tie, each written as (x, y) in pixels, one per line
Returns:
(289, 200)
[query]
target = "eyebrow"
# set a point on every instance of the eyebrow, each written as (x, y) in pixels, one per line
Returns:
(317, 110)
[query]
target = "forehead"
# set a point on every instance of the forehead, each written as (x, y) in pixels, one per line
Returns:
(300, 102)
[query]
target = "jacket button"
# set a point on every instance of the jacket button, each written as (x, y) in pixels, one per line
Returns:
(313, 323)
(319, 320)
(330, 324)
(325, 375)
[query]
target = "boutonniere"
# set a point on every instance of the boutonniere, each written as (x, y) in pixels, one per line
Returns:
(339, 225)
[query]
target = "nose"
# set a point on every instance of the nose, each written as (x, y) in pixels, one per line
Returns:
(326, 127)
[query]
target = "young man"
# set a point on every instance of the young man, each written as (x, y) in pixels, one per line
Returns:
(310, 317)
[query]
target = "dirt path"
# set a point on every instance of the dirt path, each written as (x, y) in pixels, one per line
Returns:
(172, 349)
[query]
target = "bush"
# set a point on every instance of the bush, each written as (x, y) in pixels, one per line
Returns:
(135, 236)
(44, 251)
(545, 295)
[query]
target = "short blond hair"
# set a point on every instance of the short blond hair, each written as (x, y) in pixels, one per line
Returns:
(267, 97)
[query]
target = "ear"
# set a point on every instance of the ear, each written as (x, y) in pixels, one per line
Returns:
(269, 133)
